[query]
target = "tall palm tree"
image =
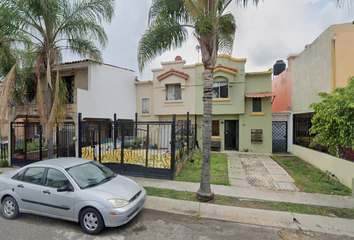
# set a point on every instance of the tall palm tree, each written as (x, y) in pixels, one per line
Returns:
(33, 34)
(215, 31)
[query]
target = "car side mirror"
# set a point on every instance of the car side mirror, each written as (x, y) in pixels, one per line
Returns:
(65, 189)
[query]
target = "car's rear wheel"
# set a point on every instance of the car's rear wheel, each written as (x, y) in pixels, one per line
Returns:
(10, 208)
(91, 221)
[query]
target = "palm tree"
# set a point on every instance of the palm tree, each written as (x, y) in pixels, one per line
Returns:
(214, 30)
(33, 35)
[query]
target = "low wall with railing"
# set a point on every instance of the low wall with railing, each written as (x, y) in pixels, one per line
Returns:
(343, 169)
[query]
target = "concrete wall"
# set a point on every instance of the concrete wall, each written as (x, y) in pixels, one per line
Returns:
(343, 35)
(311, 73)
(343, 169)
(281, 86)
(110, 90)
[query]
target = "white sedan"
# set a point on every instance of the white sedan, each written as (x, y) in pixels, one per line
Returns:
(73, 189)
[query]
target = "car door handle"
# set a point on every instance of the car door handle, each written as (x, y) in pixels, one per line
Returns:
(20, 185)
(46, 191)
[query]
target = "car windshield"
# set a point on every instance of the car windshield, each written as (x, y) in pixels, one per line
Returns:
(90, 174)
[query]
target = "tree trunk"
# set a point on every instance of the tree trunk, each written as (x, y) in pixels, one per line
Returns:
(49, 103)
(209, 49)
(204, 193)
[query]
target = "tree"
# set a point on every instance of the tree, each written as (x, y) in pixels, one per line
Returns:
(214, 29)
(333, 122)
(33, 34)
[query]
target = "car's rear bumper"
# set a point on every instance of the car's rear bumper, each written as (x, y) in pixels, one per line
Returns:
(125, 214)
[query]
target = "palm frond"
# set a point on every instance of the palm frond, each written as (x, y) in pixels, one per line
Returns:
(226, 33)
(160, 37)
(174, 9)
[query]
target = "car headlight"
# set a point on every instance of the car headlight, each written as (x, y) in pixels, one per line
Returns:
(118, 203)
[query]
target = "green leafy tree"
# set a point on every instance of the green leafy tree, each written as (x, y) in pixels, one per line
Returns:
(33, 34)
(333, 122)
(214, 29)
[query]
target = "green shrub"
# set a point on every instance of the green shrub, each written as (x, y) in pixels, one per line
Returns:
(4, 163)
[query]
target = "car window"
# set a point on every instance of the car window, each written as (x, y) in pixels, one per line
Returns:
(19, 175)
(34, 175)
(56, 179)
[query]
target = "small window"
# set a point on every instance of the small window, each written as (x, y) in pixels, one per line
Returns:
(257, 105)
(145, 106)
(34, 175)
(173, 92)
(256, 136)
(56, 179)
(215, 128)
(220, 89)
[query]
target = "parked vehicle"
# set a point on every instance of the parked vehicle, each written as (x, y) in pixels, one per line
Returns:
(73, 189)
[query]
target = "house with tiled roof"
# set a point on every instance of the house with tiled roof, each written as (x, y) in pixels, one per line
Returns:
(97, 91)
(242, 117)
(242, 109)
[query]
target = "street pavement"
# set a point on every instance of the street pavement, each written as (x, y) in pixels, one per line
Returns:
(255, 177)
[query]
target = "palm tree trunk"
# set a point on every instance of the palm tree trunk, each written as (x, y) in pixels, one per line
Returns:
(204, 193)
(49, 103)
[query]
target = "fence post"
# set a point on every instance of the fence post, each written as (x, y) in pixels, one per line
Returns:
(99, 142)
(26, 125)
(187, 133)
(136, 125)
(147, 149)
(80, 134)
(40, 142)
(173, 138)
(122, 147)
(114, 131)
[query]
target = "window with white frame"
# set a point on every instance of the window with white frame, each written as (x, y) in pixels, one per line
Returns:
(145, 106)
(220, 89)
(173, 92)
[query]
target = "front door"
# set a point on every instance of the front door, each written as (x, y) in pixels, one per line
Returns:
(231, 135)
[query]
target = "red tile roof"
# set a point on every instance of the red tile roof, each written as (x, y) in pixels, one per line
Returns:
(172, 72)
(89, 60)
(228, 68)
(259, 95)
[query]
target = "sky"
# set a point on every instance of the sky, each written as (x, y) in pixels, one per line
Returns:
(271, 31)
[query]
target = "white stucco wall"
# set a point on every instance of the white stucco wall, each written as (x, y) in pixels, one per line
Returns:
(110, 90)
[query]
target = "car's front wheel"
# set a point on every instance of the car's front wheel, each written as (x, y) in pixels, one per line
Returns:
(10, 208)
(91, 221)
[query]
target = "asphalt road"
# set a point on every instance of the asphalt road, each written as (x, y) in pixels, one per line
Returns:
(148, 224)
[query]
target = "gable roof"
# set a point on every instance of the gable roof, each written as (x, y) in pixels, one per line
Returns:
(172, 72)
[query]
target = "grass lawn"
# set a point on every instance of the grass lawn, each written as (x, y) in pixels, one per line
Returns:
(306, 176)
(284, 207)
(192, 170)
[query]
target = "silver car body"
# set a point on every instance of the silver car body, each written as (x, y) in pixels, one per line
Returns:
(47, 201)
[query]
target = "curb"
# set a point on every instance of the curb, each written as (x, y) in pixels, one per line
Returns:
(267, 218)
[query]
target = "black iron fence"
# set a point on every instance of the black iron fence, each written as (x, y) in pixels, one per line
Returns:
(28, 143)
(142, 149)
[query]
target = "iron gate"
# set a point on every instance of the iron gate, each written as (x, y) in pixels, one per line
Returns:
(141, 149)
(28, 143)
(279, 136)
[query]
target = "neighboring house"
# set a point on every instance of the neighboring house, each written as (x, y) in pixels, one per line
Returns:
(242, 106)
(172, 91)
(324, 64)
(97, 91)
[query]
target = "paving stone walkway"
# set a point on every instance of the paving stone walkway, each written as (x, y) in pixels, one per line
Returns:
(258, 170)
